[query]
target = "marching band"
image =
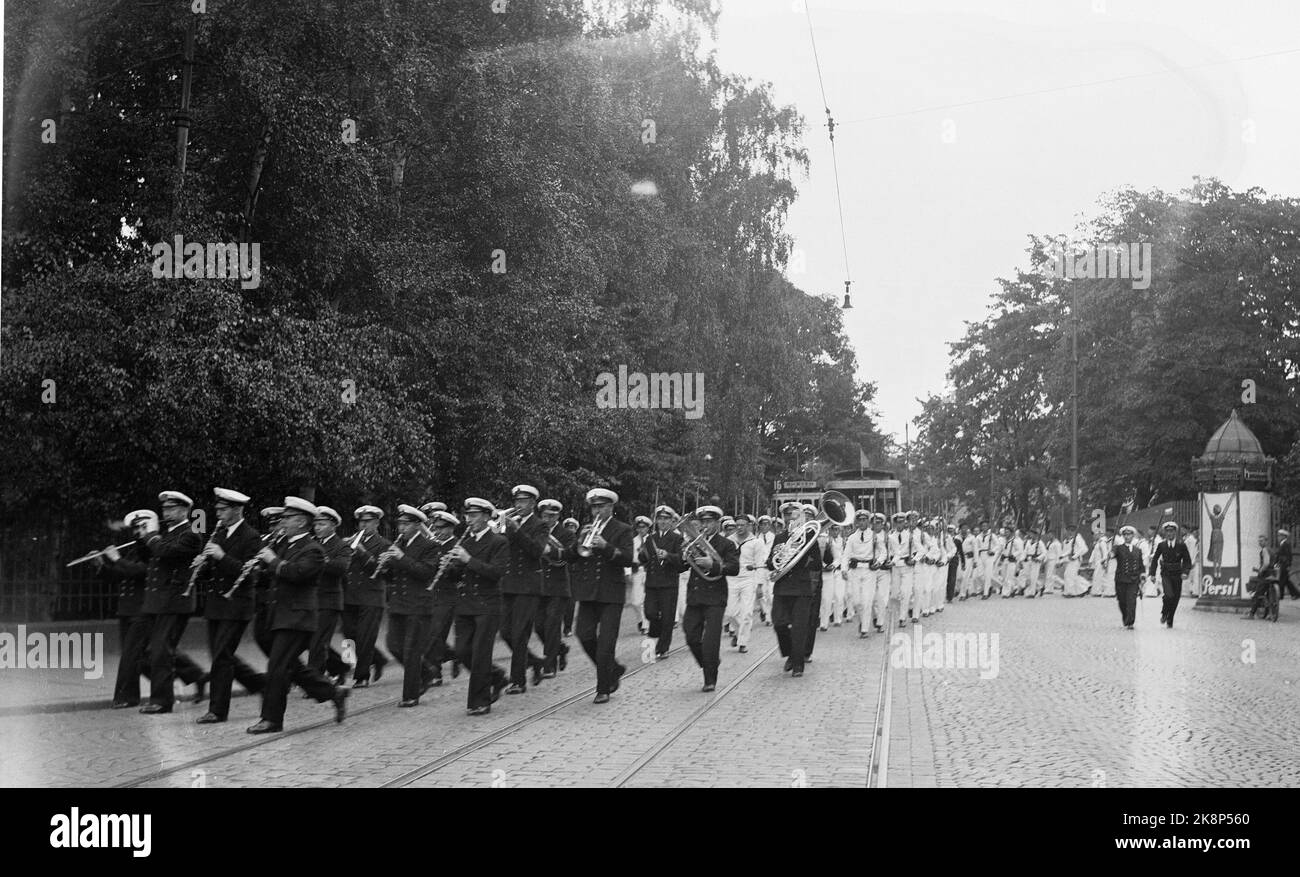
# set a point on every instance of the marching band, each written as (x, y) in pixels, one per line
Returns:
(449, 586)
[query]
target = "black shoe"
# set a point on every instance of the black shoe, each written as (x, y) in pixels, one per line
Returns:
(435, 682)
(1169, 624)
(201, 689)
(794, 673)
(708, 686)
(415, 701)
(340, 704)
(880, 629)
(154, 709)
(361, 683)
(479, 711)
(618, 674)
(455, 669)
(744, 649)
(265, 727)
(789, 665)
(985, 597)
(515, 689)
(497, 686)
(862, 634)
(537, 675)
(601, 698)
(209, 719)
(124, 704)
(548, 674)
(379, 672)
(661, 656)
(734, 640)
(563, 659)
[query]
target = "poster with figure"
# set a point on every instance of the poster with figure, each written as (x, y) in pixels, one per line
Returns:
(1220, 545)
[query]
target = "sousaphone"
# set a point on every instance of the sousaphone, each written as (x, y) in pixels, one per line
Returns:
(832, 508)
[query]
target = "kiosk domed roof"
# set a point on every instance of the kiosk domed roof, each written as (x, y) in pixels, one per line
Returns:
(1233, 442)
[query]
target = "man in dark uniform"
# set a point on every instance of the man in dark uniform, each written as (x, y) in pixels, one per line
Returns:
(706, 600)
(596, 561)
(521, 586)
(555, 588)
(409, 565)
(1176, 566)
(793, 591)
(363, 595)
(293, 570)
(260, 582)
(570, 605)
(1128, 576)
(170, 554)
(445, 589)
(478, 564)
(1282, 563)
(329, 594)
(661, 552)
(233, 544)
(128, 567)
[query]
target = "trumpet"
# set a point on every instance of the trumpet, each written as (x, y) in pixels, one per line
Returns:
(584, 548)
(97, 554)
(557, 547)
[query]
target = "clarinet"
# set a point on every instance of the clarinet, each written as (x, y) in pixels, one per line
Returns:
(251, 564)
(446, 560)
(198, 564)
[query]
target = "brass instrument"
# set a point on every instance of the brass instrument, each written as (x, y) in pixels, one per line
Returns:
(833, 508)
(697, 551)
(558, 547)
(584, 548)
(97, 554)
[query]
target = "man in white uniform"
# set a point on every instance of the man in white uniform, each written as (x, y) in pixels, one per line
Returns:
(1076, 549)
(763, 576)
(905, 548)
(636, 572)
(742, 587)
(1035, 552)
(997, 544)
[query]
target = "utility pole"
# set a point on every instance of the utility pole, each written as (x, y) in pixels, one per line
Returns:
(181, 118)
(1074, 404)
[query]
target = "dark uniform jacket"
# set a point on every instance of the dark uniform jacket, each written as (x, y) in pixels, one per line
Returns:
(1128, 564)
(128, 573)
(1176, 557)
(219, 576)
(359, 588)
(330, 585)
(170, 555)
(1282, 561)
(524, 558)
(804, 580)
(599, 578)
(480, 579)
(700, 591)
(409, 575)
(291, 588)
(555, 579)
(667, 572)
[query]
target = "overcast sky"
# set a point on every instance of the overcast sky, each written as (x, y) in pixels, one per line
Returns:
(939, 199)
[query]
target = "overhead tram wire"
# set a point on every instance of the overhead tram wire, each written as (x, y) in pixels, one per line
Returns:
(835, 166)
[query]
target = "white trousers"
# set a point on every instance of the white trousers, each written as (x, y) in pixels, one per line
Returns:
(764, 579)
(869, 593)
(834, 591)
(966, 577)
(989, 567)
(1032, 570)
(1074, 585)
(740, 608)
(902, 584)
(636, 593)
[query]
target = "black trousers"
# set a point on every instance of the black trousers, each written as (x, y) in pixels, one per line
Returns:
(320, 655)
(166, 662)
(475, 636)
(284, 668)
(223, 641)
(408, 640)
(440, 626)
(570, 605)
(814, 619)
(702, 626)
(661, 617)
(1127, 596)
(952, 577)
(262, 627)
(133, 636)
(1285, 585)
(518, 614)
(597, 629)
(1173, 588)
(791, 620)
(361, 625)
(549, 624)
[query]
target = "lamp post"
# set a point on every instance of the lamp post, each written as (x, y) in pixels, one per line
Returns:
(1074, 403)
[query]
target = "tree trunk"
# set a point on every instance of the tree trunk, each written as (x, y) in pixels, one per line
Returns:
(255, 181)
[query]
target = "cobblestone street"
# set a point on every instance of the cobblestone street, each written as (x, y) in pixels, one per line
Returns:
(1069, 699)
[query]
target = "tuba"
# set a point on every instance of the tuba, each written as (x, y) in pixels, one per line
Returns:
(832, 508)
(697, 551)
